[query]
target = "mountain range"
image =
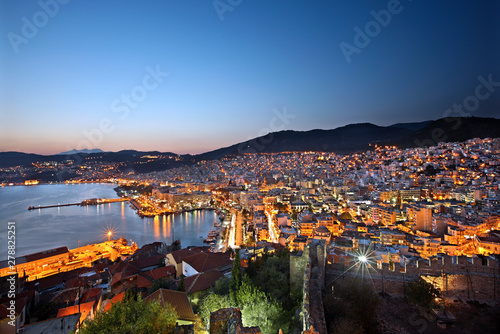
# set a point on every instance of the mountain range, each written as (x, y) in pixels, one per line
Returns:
(84, 151)
(343, 140)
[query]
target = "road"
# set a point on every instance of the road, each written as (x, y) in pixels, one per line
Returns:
(232, 232)
(272, 234)
(235, 235)
(239, 229)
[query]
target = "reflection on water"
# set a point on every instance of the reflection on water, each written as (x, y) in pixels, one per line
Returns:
(156, 225)
(43, 229)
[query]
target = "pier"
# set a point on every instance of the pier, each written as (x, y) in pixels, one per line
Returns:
(92, 201)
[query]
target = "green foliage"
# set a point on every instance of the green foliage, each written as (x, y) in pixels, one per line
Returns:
(162, 284)
(259, 310)
(235, 283)
(422, 293)
(272, 275)
(182, 285)
(211, 303)
(253, 267)
(350, 307)
(273, 278)
(133, 316)
(130, 294)
(262, 296)
(222, 286)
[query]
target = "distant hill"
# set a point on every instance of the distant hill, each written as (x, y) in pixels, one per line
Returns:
(346, 139)
(85, 151)
(363, 136)
(342, 140)
(134, 160)
(412, 126)
(452, 129)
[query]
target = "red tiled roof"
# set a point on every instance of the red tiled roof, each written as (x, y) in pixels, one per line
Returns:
(65, 297)
(151, 247)
(199, 249)
(75, 282)
(202, 281)
(116, 278)
(177, 299)
(84, 309)
(162, 272)
(129, 270)
(115, 299)
(126, 271)
(148, 262)
(206, 261)
(91, 294)
(48, 282)
(143, 282)
(116, 267)
(178, 255)
(46, 253)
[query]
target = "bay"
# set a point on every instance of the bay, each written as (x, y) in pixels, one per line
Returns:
(43, 229)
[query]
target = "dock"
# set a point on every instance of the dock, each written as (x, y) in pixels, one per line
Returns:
(87, 202)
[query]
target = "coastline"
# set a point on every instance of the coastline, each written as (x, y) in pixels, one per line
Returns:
(39, 230)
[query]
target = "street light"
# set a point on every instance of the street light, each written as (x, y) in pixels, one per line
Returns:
(363, 259)
(109, 235)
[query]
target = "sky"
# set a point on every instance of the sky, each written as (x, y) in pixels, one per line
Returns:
(189, 76)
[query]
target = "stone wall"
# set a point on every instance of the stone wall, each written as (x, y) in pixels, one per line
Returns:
(298, 264)
(228, 321)
(309, 269)
(476, 280)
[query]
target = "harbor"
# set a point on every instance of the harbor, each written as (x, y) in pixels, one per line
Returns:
(87, 202)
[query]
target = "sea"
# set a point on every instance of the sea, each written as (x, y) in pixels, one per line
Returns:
(72, 226)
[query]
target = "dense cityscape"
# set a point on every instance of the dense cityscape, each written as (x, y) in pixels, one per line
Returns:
(249, 167)
(418, 212)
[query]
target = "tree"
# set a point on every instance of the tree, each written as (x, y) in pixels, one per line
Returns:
(182, 285)
(211, 303)
(422, 292)
(133, 316)
(273, 279)
(162, 284)
(259, 310)
(222, 286)
(235, 283)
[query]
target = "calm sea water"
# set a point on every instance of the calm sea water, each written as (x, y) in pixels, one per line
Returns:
(38, 230)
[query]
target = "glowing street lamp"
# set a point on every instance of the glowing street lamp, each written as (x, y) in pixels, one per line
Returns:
(110, 233)
(363, 259)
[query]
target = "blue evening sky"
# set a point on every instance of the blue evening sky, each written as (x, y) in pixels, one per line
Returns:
(76, 74)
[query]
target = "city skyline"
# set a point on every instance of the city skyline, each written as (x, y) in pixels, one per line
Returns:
(190, 78)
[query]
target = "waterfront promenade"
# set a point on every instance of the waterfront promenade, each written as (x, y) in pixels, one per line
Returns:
(53, 261)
